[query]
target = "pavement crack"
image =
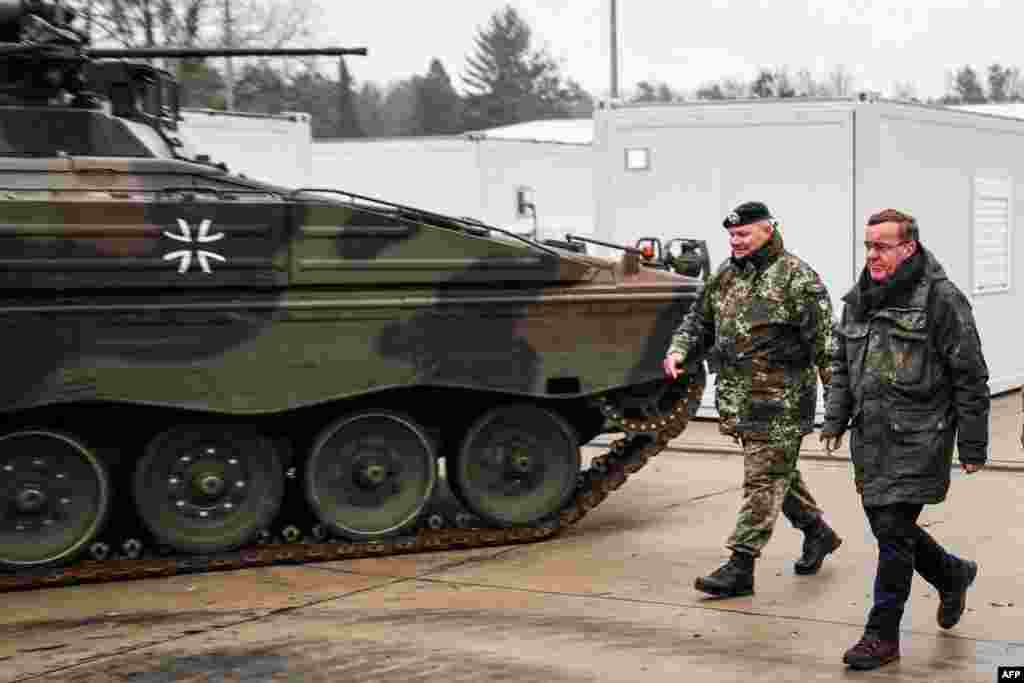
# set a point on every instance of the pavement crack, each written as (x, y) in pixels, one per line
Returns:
(42, 648)
(731, 489)
(339, 570)
(265, 616)
(455, 564)
(683, 605)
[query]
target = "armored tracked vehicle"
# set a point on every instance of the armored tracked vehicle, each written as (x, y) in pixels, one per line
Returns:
(203, 371)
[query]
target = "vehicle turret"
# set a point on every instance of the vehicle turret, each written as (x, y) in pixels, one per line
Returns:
(46, 60)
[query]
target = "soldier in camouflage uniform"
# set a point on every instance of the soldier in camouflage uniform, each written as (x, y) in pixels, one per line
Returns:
(909, 381)
(768, 316)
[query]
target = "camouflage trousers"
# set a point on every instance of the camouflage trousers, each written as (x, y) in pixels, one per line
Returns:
(771, 484)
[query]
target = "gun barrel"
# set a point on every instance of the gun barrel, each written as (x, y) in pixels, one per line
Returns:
(190, 52)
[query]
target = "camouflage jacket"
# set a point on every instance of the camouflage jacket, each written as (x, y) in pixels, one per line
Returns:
(906, 377)
(769, 321)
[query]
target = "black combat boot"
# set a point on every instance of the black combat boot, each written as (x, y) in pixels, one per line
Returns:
(819, 541)
(952, 603)
(871, 652)
(732, 579)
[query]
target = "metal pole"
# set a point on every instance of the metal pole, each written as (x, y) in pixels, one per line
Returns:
(229, 74)
(88, 20)
(614, 52)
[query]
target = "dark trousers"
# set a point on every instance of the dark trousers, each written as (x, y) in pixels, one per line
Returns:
(904, 547)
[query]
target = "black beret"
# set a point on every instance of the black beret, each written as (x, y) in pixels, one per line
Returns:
(747, 212)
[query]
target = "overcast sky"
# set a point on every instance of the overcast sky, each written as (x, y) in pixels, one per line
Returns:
(687, 43)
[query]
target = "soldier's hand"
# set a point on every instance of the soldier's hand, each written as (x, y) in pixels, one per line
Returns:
(970, 468)
(672, 365)
(833, 442)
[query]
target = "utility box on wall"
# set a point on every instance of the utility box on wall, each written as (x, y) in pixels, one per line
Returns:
(823, 167)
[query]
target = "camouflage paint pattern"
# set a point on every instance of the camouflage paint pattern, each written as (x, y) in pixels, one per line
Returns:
(769, 325)
(346, 300)
(771, 484)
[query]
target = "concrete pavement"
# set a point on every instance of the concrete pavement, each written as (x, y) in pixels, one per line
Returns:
(610, 600)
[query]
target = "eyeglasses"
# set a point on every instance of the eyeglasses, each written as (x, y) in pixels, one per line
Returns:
(881, 247)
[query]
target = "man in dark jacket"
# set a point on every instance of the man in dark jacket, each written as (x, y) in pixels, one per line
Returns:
(908, 379)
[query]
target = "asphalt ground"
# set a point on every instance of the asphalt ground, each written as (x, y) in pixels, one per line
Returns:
(612, 599)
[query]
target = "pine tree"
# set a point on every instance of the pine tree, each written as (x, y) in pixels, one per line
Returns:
(967, 87)
(1002, 83)
(348, 116)
(507, 82)
(438, 106)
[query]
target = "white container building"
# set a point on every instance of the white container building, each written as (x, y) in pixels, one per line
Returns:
(823, 167)
(493, 175)
(276, 148)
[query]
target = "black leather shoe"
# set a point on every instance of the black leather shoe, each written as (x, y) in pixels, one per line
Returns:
(818, 542)
(952, 603)
(871, 652)
(732, 579)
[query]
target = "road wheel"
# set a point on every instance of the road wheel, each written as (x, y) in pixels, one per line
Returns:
(208, 488)
(54, 498)
(369, 475)
(516, 465)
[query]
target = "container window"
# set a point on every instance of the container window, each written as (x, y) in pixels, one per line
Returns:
(638, 159)
(992, 234)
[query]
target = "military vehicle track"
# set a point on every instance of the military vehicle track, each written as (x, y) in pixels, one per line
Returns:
(644, 439)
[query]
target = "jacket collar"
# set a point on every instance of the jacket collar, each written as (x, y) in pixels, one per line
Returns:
(932, 272)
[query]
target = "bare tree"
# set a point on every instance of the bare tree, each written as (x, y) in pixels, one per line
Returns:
(654, 91)
(1002, 82)
(143, 23)
(727, 88)
(841, 81)
(192, 23)
(270, 23)
(198, 23)
(808, 86)
(967, 86)
(709, 91)
(261, 23)
(784, 83)
(733, 88)
(904, 90)
(763, 84)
